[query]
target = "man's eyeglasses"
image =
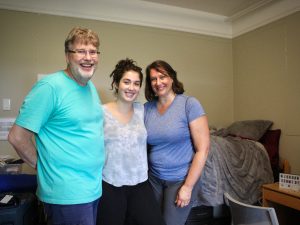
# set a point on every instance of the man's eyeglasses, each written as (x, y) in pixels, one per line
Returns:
(83, 52)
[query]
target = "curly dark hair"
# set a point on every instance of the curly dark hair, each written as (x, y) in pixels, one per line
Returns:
(164, 68)
(121, 68)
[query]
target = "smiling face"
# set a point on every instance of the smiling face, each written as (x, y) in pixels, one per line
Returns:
(161, 83)
(81, 63)
(129, 86)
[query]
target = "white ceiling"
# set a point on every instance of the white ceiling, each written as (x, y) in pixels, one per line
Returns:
(226, 8)
(222, 18)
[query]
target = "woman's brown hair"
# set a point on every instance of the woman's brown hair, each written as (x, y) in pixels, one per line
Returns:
(166, 69)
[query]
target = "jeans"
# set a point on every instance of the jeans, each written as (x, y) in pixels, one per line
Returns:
(165, 193)
(77, 214)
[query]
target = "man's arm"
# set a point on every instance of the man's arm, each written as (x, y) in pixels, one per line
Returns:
(21, 139)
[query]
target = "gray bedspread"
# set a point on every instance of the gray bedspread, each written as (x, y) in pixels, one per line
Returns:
(236, 166)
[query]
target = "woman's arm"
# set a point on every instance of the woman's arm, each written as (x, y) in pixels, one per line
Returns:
(200, 136)
(21, 139)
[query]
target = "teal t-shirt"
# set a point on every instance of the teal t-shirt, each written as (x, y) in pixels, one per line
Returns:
(67, 120)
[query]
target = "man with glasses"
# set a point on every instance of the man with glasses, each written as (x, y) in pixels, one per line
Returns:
(63, 112)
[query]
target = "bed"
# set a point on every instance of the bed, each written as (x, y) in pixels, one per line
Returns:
(242, 157)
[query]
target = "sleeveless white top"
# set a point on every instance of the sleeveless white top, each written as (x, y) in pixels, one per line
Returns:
(126, 149)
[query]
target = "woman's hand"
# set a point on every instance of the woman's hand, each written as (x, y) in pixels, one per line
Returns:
(200, 136)
(183, 196)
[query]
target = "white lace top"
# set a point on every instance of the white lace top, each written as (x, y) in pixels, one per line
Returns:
(126, 149)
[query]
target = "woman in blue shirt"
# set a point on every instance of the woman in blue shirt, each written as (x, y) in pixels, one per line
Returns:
(178, 141)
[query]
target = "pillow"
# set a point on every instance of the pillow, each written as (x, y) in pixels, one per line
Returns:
(250, 129)
(270, 140)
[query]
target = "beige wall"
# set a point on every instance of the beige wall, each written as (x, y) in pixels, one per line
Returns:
(258, 79)
(267, 81)
(33, 43)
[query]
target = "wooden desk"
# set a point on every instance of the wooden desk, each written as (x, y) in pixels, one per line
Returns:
(272, 193)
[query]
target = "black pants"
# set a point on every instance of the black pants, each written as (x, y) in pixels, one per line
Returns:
(136, 203)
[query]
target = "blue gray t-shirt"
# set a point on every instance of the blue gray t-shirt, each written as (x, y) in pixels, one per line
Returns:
(170, 145)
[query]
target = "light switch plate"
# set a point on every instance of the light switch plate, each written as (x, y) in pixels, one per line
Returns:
(6, 104)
